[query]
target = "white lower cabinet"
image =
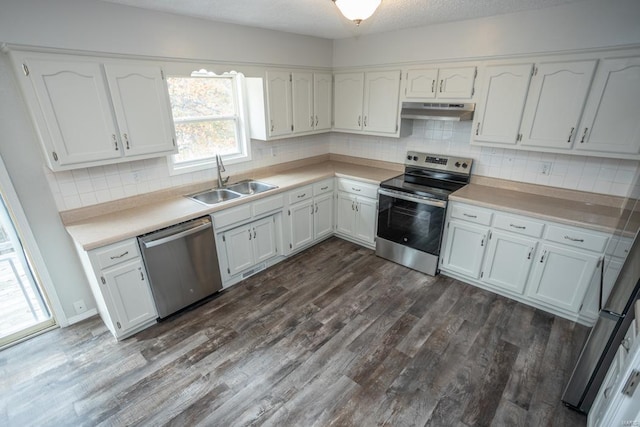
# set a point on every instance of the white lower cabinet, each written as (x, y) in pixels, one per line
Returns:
(357, 211)
(250, 244)
(547, 265)
(310, 214)
(118, 280)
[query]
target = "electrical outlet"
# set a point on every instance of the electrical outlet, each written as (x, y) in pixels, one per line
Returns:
(80, 306)
(545, 168)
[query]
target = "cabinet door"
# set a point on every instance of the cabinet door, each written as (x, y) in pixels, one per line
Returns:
(239, 248)
(348, 94)
(499, 112)
(556, 99)
(323, 216)
(322, 90)
(127, 287)
(508, 262)
(141, 103)
(264, 239)
(301, 223)
(76, 119)
(365, 223)
(302, 108)
(561, 276)
(346, 214)
(464, 248)
(456, 83)
(421, 83)
(610, 122)
(381, 100)
(279, 103)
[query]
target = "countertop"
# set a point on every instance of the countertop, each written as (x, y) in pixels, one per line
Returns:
(584, 214)
(113, 227)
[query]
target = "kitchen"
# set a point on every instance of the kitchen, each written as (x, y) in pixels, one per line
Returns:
(41, 23)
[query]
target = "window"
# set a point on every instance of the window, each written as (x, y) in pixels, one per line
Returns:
(209, 119)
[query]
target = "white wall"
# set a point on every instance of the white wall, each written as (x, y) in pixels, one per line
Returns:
(579, 25)
(104, 27)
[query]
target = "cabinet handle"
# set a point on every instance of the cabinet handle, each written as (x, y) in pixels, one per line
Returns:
(470, 216)
(544, 254)
(126, 139)
(530, 253)
(356, 189)
(316, 121)
(573, 239)
(478, 128)
(249, 234)
(357, 206)
(584, 135)
(571, 134)
(359, 117)
(254, 233)
(433, 86)
(271, 125)
(365, 121)
(115, 141)
(119, 256)
(352, 206)
(312, 209)
(118, 325)
(441, 81)
(482, 241)
(141, 275)
(300, 196)
(626, 344)
(324, 188)
(519, 227)
(311, 121)
(607, 392)
(316, 208)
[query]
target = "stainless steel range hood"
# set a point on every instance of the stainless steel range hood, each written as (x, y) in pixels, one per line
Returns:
(436, 111)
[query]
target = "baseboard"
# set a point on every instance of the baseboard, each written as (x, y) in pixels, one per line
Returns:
(82, 316)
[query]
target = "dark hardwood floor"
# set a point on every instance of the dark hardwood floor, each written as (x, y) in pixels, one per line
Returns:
(332, 336)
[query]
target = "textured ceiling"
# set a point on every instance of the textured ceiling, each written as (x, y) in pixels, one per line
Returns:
(321, 18)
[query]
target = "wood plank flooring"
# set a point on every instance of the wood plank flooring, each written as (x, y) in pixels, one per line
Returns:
(334, 336)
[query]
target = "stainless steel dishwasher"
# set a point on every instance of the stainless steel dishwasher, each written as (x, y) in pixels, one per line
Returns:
(182, 264)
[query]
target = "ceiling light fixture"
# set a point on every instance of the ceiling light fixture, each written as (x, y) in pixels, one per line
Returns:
(357, 10)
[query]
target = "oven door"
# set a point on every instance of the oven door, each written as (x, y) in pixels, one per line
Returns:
(411, 220)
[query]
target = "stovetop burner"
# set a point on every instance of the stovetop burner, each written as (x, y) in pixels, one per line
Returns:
(431, 175)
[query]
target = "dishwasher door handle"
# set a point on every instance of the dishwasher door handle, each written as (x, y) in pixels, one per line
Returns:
(176, 236)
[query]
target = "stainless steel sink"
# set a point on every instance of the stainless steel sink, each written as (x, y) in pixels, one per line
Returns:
(216, 195)
(250, 187)
(233, 191)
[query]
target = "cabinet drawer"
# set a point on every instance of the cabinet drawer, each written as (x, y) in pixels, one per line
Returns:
(116, 253)
(231, 216)
(300, 194)
(471, 214)
(519, 225)
(577, 238)
(268, 205)
(358, 188)
(323, 187)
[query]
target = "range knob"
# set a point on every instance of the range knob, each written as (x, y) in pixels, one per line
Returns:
(464, 165)
(457, 164)
(415, 158)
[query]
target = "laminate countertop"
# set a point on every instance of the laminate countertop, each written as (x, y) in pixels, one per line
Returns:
(600, 215)
(101, 230)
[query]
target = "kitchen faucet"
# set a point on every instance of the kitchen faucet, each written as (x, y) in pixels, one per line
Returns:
(220, 166)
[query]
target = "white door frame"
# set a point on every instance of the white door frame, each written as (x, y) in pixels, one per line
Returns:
(40, 272)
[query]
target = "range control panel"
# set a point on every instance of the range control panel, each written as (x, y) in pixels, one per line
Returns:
(439, 162)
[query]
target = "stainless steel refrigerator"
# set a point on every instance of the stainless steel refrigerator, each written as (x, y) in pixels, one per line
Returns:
(616, 314)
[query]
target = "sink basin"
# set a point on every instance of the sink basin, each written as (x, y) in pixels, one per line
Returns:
(250, 187)
(217, 195)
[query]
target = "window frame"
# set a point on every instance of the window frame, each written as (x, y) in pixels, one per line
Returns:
(241, 119)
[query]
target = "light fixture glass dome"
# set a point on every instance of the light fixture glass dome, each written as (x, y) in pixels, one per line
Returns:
(357, 10)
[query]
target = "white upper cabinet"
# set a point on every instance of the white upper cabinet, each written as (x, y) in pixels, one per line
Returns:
(141, 104)
(348, 96)
(93, 111)
(367, 102)
(74, 119)
(557, 96)
(322, 96)
(499, 113)
(279, 103)
(611, 117)
(444, 83)
(302, 85)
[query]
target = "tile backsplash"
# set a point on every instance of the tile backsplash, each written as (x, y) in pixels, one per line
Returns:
(89, 186)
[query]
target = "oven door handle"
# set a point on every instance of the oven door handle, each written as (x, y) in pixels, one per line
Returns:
(410, 198)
